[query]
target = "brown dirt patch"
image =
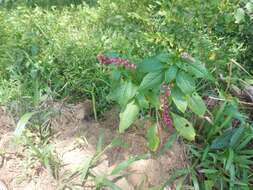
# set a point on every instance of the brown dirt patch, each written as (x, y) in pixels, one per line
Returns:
(75, 141)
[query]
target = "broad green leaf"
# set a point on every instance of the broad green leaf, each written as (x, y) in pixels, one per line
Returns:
(171, 73)
(249, 7)
(221, 142)
(125, 164)
(185, 82)
(112, 54)
(196, 104)
(153, 139)
(116, 74)
(199, 70)
(22, 124)
(153, 99)
(224, 140)
(163, 57)
(128, 116)
(236, 136)
(124, 93)
(249, 81)
(209, 184)
(151, 64)
(142, 101)
(151, 80)
(239, 15)
(183, 127)
(179, 99)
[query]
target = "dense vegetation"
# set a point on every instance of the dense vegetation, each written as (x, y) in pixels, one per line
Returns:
(50, 49)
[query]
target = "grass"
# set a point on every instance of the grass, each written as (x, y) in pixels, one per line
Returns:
(40, 48)
(50, 48)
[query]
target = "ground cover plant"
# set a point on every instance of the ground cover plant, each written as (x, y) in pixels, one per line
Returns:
(180, 64)
(138, 88)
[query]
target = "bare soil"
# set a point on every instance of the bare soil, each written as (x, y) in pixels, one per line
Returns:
(75, 139)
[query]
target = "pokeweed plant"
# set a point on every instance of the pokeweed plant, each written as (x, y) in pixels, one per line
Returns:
(153, 86)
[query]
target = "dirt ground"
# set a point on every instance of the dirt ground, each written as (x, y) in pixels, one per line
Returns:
(75, 138)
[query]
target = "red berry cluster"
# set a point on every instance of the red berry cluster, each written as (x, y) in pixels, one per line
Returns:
(117, 61)
(166, 117)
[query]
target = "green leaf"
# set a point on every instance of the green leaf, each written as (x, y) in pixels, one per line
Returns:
(171, 73)
(178, 173)
(195, 181)
(183, 127)
(185, 82)
(116, 74)
(196, 104)
(110, 184)
(236, 136)
(239, 15)
(199, 70)
(224, 140)
(208, 171)
(141, 99)
(151, 64)
(124, 93)
(209, 184)
(245, 141)
(100, 143)
(151, 80)
(249, 7)
(112, 54)
(117, 142)
(153, 139)
(22, 124)
(230, 159)
(163, 57)
(232, 177)
(128, 116)
(85, 168)
(153, 99)
(125, 164)
(179, 99)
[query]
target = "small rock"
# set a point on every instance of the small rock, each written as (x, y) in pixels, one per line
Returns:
(83, 110)
(145, 170)
(123, 184)
(248, 90)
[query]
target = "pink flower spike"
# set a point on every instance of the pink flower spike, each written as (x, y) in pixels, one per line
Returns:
(117, 61)
(166, 118)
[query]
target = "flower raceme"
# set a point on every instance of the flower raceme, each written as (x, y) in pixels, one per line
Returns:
(116, 61)
(166, 117)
